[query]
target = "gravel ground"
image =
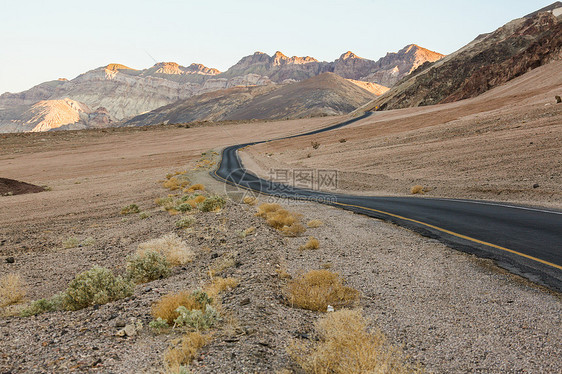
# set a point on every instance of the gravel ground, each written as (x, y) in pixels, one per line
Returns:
(450, 311)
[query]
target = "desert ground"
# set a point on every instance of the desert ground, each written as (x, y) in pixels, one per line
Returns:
(447, 311)
(503, 145)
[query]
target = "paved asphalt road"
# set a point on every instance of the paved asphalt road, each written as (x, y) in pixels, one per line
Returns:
(524, 240)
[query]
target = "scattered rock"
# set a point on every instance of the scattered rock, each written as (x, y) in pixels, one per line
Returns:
(119, 322)
(10, 260)
(536, 185)
(558, 99)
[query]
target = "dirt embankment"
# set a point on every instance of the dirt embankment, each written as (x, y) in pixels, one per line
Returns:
(503, 145)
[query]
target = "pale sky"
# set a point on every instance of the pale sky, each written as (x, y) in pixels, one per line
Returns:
(42, 40)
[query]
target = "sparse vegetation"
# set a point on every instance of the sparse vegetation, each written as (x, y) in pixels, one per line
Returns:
(167, 307)
(314, 223)
(196, 187)
(250, 200)
(184, 207)
(95, 286)
(222, 263)
(175, 182)
(343, 140)
(147, 266)
(44, 305)
(315, 145)
(345, 346)
(70, 242)
(12, 289)
(130, 209)
(317, 289)
(417, 189)
(212, 203)
(89, 241)
(281, 219)
(196, 318)
(172, 247)
(183, 351)
(312, 243)
(219, 285)
(185, 222)
(144, 215)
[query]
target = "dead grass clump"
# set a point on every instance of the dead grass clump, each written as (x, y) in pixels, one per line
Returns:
(226, 261)
(196, 200)
(166, 307)
(175, 182)
(417, 189)
(250, 200)
(312, 243)
(317, 289)
(183, 351)
(281, 219)
(345, 346)
(130, 209)
(196, 187)
(315, 223)
(12, 289)
(219, 285)
(171, 246)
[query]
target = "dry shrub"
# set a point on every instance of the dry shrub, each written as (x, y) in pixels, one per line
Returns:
(281, 219)
(345, 346)
(171, 246)
(266, 208)
(250, 200)
(219, 285)
(317, 289)
(222, 263)
(312, 243)
(196, 200)
(12, 289)
(130, 209)
(196, 187)
(166, 307)
(417, 189)
(183, 351)
(282, 273)
(172, 184)
(315, 223)
(165, 202)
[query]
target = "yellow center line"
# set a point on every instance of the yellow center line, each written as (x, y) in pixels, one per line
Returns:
(418, 222)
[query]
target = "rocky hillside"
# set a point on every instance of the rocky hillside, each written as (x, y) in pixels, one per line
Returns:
(48, 115)
(325, 94)
(488, 61)
(125, 92)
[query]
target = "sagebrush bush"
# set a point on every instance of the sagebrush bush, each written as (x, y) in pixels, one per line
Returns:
(196, 318)
(317, 289)
(166, 307)
(184, 207)
(172, 247)
(147, 266)
(12, 289)
(130, 209)
(343, 345)
(70, 242)
(95, 286)
(185, 222)
(44, 305)
(212, 203)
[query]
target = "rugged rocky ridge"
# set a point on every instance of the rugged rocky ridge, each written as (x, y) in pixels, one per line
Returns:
(325, 94)
(488, 61)
(48, 115)
(125, 92)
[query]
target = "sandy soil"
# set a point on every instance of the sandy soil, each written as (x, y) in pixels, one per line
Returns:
(503, 145)
(450, 311)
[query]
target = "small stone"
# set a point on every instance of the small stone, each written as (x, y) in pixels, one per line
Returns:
(130, 330)
(120, 322)
(10, 260)
(536, 185)
(246, 301)
(147, 289)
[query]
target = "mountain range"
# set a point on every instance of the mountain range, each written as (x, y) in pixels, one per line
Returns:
(122, 92)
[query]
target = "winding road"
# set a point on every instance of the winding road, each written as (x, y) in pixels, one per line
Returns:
(524, 240)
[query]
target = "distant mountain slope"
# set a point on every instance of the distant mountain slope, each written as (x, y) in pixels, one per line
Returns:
(48, 115)
(125, 92)
(488, 61)
(325, 94)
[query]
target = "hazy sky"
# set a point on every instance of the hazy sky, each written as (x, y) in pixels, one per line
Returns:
(42, 40)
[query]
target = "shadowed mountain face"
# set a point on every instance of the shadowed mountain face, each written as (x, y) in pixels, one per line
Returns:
(124, 92)
(488, 61)
(325, 94)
